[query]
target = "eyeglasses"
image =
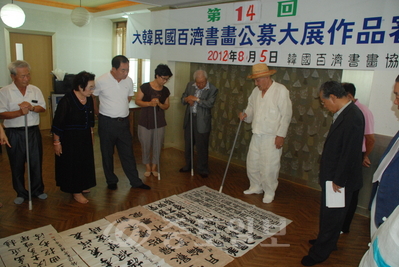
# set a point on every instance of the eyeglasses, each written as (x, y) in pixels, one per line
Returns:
(165, 79)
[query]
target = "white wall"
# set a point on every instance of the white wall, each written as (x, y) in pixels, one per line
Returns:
(362, 81)
(75, 48)
(385, 113)
(375, 90)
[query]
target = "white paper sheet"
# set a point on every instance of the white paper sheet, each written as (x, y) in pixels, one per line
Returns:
(334, 199)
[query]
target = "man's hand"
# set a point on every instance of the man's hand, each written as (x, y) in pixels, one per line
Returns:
(279, 142)
(24, 111)
(191, 100)
(95, 104)
(3, 138)
(25, 107)
(336, 188)
(242, 116)
(366, 161)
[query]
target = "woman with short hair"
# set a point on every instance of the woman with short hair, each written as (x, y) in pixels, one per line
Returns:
(72, 130)
(150, 96)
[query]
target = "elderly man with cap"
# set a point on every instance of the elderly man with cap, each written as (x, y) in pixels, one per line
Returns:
(269, 110)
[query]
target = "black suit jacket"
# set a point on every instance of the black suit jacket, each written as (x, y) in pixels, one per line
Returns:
(387, 189)
(341, 160)
(207, 100)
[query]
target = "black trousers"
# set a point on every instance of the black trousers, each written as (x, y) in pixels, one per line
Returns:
(116, 132)
(17, 157)
(330, 224)
(351, 212)
(201, 142)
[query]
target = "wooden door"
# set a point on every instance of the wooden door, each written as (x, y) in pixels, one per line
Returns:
(38, 52)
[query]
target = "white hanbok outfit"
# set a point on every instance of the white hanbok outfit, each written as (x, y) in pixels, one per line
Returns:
(270, 116)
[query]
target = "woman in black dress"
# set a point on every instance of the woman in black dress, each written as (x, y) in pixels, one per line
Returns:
(73, 139)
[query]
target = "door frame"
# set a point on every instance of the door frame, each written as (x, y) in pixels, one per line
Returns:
(8, 31)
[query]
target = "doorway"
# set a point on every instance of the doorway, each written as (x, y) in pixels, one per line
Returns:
(38, 52)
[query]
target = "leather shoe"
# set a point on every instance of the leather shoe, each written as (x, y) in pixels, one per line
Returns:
(313, 241)
(309, 261)
(112, 186)
(204, 175)
(184, 170)
(143, 186)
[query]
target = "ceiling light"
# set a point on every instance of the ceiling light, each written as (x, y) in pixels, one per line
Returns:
(12, 15)
(80, 16)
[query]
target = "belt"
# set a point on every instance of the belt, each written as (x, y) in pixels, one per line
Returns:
(116, 119)
(22, 128)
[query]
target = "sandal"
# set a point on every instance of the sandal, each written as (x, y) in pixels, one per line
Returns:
(155, 173)
(147, 174)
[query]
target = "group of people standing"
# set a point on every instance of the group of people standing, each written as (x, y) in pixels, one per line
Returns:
(346, 149)
(108, 98)
(348, 144)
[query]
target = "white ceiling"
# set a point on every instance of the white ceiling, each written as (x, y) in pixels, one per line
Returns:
(179, 3)
(110, 3)
(115, 9)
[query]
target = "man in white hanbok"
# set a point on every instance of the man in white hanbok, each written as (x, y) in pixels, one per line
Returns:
(269, 110)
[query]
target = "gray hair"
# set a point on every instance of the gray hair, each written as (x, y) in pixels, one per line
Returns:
(200, 73)
(17, 64)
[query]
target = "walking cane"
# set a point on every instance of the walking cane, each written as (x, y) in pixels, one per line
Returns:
(231, 154)
(156, 142)
(27, 160)
(191, 142)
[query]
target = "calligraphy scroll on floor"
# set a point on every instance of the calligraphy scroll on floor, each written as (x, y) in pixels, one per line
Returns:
(39, 247)
(201, 227)
(164, 239)
(101, 244)
(223, 221)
